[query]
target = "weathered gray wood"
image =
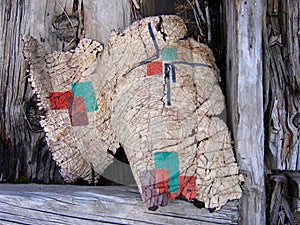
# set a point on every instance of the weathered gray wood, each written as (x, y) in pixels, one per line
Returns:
(295, 190)
(101, 17)
(148, 7)
(245, 101)
(282, 100)
(282, 81)
(54, 204)
(157, 7)
(22, 149)
(58, 24)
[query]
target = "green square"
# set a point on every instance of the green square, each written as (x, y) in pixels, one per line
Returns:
(169, 54)
(86, 90)
(170, 161)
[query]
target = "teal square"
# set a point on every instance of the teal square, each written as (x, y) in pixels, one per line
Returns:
(170, 161)
(169, 54)
(86, 90)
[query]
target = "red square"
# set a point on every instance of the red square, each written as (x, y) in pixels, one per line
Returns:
(59, 100)
(173, 195)
(154, 68)
(77, 112)
(188, 187)
(162, 180)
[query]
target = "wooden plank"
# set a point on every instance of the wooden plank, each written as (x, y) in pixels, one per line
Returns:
(282, 81)
(245, 102)
(102, 16)
(68, 204)
(22, 149)
(157, 7)
(294, 179)
(148, 7)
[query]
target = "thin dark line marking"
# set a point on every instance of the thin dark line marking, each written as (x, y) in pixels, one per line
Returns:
(191, 64)
(150, 59)
(173, 73)
(167, 79)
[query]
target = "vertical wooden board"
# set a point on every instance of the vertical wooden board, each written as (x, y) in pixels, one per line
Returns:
(21, 142)
(165, 7)
(231, 62)
(102, 16)
(148, 7)
(157, 7)
(40, 19)
(282, 95)
(245, 102)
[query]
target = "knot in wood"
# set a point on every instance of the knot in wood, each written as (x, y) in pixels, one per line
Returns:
(66, 27)
(32, 114)
(296, 120)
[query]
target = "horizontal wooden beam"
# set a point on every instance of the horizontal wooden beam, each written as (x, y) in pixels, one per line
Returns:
(69, 204)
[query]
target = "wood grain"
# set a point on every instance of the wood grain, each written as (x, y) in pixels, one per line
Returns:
(67, 204)
(245, 101)
(282, 82)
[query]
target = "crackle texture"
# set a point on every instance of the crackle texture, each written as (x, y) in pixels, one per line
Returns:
(152, 92)
(52, 74)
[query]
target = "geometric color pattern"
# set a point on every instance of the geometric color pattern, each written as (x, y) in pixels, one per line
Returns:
(77, 112)
(59, 100)
(79, 101)
(170, 162)
(171, 56)
(86, 90)
(168, 54)
(188, 187)
(154, 68)
(156, 188)
(163, 183)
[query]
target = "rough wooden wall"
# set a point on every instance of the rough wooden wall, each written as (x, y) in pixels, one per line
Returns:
(282, 82)
(101, 17)
(245, 101)
(157, 7)
(22, 149)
